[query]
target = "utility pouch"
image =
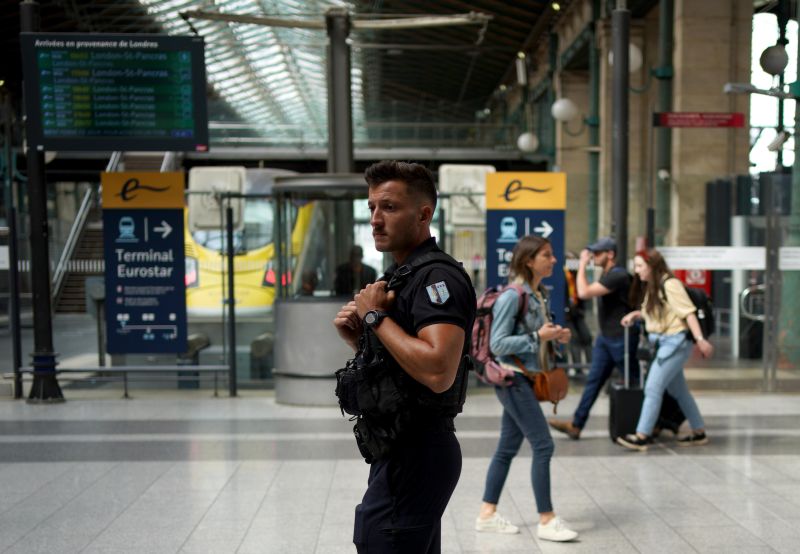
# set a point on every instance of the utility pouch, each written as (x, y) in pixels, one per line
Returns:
(362, 447)
(377, 391)
(374, 442)
(347, 388)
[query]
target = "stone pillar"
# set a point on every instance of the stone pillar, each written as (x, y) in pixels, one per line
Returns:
(712, 47)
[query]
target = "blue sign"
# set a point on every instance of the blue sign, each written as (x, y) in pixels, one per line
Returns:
(504, 228)
(145, 289)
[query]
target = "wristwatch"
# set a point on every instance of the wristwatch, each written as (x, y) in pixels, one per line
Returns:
(373, 318)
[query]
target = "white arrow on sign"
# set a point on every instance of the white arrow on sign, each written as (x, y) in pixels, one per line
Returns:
(546, 230)
(165, 229)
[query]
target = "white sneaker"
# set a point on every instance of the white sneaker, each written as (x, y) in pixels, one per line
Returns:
(555, 530)
(496, 524)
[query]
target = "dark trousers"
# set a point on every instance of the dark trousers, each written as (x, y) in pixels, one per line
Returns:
(607, 354)
(407, 494)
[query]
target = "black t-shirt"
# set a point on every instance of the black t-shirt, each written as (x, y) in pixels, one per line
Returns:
(435, 293)
(614, 305)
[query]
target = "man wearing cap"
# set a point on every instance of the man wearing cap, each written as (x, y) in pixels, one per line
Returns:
(609, 348)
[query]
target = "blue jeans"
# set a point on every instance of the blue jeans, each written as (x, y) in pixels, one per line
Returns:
(607, 354)
(666, 374)
(522, 418)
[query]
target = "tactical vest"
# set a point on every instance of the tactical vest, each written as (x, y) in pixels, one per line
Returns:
(384, 400)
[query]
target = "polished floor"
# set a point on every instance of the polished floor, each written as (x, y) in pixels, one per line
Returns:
(183, 472)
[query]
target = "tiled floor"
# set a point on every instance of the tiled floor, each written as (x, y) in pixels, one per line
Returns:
(188, 473)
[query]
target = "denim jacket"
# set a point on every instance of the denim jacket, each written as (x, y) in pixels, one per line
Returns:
(508, 340)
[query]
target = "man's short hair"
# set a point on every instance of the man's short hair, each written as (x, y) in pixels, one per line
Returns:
(417, 177)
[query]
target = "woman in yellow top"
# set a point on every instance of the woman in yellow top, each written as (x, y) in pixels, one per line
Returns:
(669, 316)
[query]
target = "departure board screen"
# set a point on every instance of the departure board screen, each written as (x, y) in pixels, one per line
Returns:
(115, 92)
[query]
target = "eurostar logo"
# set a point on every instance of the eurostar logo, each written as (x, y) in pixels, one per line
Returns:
(132, 186)
(515, 187)
(526, 190)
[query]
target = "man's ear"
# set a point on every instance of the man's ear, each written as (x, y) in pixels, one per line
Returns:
(426, 213)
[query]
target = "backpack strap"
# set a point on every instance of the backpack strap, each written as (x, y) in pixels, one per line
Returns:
(523, 301)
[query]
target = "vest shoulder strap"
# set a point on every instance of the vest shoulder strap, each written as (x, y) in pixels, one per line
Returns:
(405, 271)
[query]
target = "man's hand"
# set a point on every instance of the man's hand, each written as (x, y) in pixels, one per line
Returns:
(373, 297)
(348, 324)
(585, 257)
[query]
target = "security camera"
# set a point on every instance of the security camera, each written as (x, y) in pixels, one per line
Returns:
(777, 143)
(663, 174)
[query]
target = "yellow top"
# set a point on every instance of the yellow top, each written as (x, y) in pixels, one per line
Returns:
(672, 318)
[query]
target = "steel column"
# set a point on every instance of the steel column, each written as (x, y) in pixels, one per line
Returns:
(45, 387)
(620, 40)
(666, 31)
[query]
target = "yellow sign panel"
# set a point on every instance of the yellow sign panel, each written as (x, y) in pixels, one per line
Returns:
(137, 189)
(526, 191)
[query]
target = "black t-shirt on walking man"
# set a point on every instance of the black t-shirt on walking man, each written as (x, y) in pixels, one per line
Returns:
(614, 305)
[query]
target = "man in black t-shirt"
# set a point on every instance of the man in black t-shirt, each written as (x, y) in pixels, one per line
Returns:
(611, 290)
(422, 329)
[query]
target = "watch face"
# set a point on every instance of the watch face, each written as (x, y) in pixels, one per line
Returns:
(370, 318)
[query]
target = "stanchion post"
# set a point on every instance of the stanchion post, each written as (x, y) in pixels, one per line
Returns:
(231, 301)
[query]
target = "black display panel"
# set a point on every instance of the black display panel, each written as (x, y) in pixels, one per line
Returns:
(115, 92)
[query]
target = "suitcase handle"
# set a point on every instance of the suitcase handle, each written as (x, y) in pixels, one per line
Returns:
(627, 357)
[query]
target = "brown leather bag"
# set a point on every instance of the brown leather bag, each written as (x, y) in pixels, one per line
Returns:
(551, 383)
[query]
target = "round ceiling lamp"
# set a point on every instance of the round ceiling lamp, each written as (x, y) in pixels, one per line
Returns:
(635, 58)
(774, 59)
(565, 110)
(527, 142)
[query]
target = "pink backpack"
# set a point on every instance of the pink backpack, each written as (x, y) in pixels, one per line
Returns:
(487, 368)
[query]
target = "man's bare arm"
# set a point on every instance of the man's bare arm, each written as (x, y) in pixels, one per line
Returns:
(587, 290)
(432, 358)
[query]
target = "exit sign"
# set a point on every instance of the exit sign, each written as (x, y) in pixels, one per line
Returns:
(698, 119)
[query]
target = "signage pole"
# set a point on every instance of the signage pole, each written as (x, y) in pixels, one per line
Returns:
(45, 387)
(231, 301)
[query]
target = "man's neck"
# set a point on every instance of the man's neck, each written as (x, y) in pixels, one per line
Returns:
(400, 256)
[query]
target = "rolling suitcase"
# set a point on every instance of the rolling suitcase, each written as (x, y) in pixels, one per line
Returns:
(671, 417)
(625, 403)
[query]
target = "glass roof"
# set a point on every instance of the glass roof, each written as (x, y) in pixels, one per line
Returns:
(270, 82)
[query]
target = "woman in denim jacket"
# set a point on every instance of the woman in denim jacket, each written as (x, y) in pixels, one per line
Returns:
(669, 316)
(523, 418)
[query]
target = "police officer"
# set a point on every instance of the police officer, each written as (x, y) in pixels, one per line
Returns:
(422, 329)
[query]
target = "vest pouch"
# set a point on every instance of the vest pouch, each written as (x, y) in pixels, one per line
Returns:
(378, 393)
(347, 388)
(376, 440)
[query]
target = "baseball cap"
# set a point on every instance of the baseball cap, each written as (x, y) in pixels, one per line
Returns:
(603, 244)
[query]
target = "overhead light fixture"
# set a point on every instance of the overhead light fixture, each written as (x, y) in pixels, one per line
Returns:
(777, 143)
(635, 58)
(564, 110)
(555, 6)
(522, 69)
(527, 142)
(774, 59)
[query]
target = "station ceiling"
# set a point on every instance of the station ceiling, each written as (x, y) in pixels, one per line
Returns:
(267, 83)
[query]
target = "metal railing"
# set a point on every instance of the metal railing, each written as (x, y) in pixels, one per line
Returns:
(60, 271)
